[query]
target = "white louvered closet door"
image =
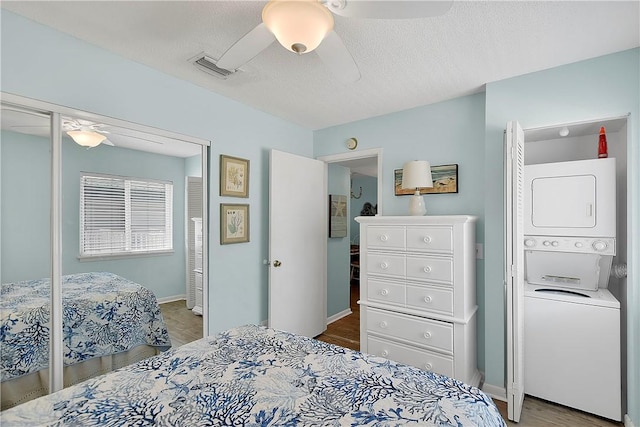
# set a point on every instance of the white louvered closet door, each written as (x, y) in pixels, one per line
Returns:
(514, 267)
(194, 210)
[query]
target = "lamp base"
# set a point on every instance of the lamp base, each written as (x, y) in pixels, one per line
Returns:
(416, 205)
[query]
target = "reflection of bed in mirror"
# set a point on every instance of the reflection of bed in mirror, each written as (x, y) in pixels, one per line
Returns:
(108, 322)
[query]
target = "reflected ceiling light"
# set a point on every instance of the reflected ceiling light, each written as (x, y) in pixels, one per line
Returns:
(86, 138)
(299, 25)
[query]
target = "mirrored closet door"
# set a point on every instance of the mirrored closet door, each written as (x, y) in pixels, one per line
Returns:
(25, 263)
(124, 224)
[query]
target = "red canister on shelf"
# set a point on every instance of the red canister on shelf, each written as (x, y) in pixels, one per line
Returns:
(602, 144)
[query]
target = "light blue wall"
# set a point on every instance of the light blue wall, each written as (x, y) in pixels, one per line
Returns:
(26, 213)
(338, 257)
(369, 186)
(25, 165)
(44, 64)
(607, 86)
(444, 133)
(193, 166)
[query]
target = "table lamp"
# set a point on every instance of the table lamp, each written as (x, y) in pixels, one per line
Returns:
(416, 174)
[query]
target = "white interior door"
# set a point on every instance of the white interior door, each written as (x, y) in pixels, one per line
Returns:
(298, 207)
(514, 267)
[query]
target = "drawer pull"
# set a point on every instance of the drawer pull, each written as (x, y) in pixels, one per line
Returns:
(383, 325)
(427, 269)
(428, 366)
(385, 353)
(384, 238)
(427, 239)
(428, 299)
(384, 292)
(384, 265)
(427, 335)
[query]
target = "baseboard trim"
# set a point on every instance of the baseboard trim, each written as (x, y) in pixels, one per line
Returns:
(329, 319)
(499, 393)
(172, 299)
(339, 316)
(628, 422)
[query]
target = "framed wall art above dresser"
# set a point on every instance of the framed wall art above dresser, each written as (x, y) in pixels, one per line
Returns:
(418, 292)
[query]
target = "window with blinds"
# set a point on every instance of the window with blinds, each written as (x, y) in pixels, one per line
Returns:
(121, 215)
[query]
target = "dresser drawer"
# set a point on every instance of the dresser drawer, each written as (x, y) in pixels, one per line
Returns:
(430, 268)
(385, 292)
(411, 328)
(432, 239)
(422, 359)
(385, 264)
(386, 238)
(430, 298)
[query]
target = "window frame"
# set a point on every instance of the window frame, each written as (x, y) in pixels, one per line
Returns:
(128, 252)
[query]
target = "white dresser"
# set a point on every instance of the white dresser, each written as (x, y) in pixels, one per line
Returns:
(418, 292)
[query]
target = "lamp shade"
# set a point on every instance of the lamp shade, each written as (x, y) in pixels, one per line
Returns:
(299, 25)
(416, 174)
(86, 138)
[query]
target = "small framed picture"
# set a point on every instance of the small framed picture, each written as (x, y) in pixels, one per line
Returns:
(445, 180)
(234, 176)
(234, 223)
(337, 215)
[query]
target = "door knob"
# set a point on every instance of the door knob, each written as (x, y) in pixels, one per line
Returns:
(277, 263)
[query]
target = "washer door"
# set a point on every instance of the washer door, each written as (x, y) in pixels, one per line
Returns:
(563, 269)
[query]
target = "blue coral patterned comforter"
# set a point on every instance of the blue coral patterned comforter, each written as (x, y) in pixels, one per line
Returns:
(256, 376)
(103, 314)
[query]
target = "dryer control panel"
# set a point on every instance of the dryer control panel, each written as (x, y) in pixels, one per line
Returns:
(587, 245)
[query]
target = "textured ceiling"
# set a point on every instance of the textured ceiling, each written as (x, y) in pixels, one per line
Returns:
(404, 63)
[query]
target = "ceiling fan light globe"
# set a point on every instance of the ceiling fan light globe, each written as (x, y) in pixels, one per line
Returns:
(86, 138)
(298, 25)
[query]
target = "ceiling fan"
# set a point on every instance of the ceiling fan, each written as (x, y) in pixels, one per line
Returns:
(86, 133)
(302, 26)
(83, 132)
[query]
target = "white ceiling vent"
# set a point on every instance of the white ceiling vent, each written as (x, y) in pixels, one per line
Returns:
(208, 64)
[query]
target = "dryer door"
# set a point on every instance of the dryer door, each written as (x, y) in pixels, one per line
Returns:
(575, 198)
(564, 201)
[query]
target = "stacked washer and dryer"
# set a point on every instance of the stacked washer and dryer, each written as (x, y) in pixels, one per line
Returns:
(572, 321)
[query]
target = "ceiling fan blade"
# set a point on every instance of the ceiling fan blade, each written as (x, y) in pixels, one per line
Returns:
(27, 127)
(242, 51)
(336, 56)
(137, 137)
(389, 9)
(107, 142)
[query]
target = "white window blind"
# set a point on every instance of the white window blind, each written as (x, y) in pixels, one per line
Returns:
(120, 216)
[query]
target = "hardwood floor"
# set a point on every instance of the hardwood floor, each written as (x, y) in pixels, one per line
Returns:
(535, 413)
(184, 326)
(540, 413)
(345, 332)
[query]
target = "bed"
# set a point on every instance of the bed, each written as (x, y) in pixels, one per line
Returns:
(257, 376)
(108, 322)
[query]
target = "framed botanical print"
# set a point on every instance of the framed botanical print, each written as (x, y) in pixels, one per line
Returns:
(234, 223)
(234, 176)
